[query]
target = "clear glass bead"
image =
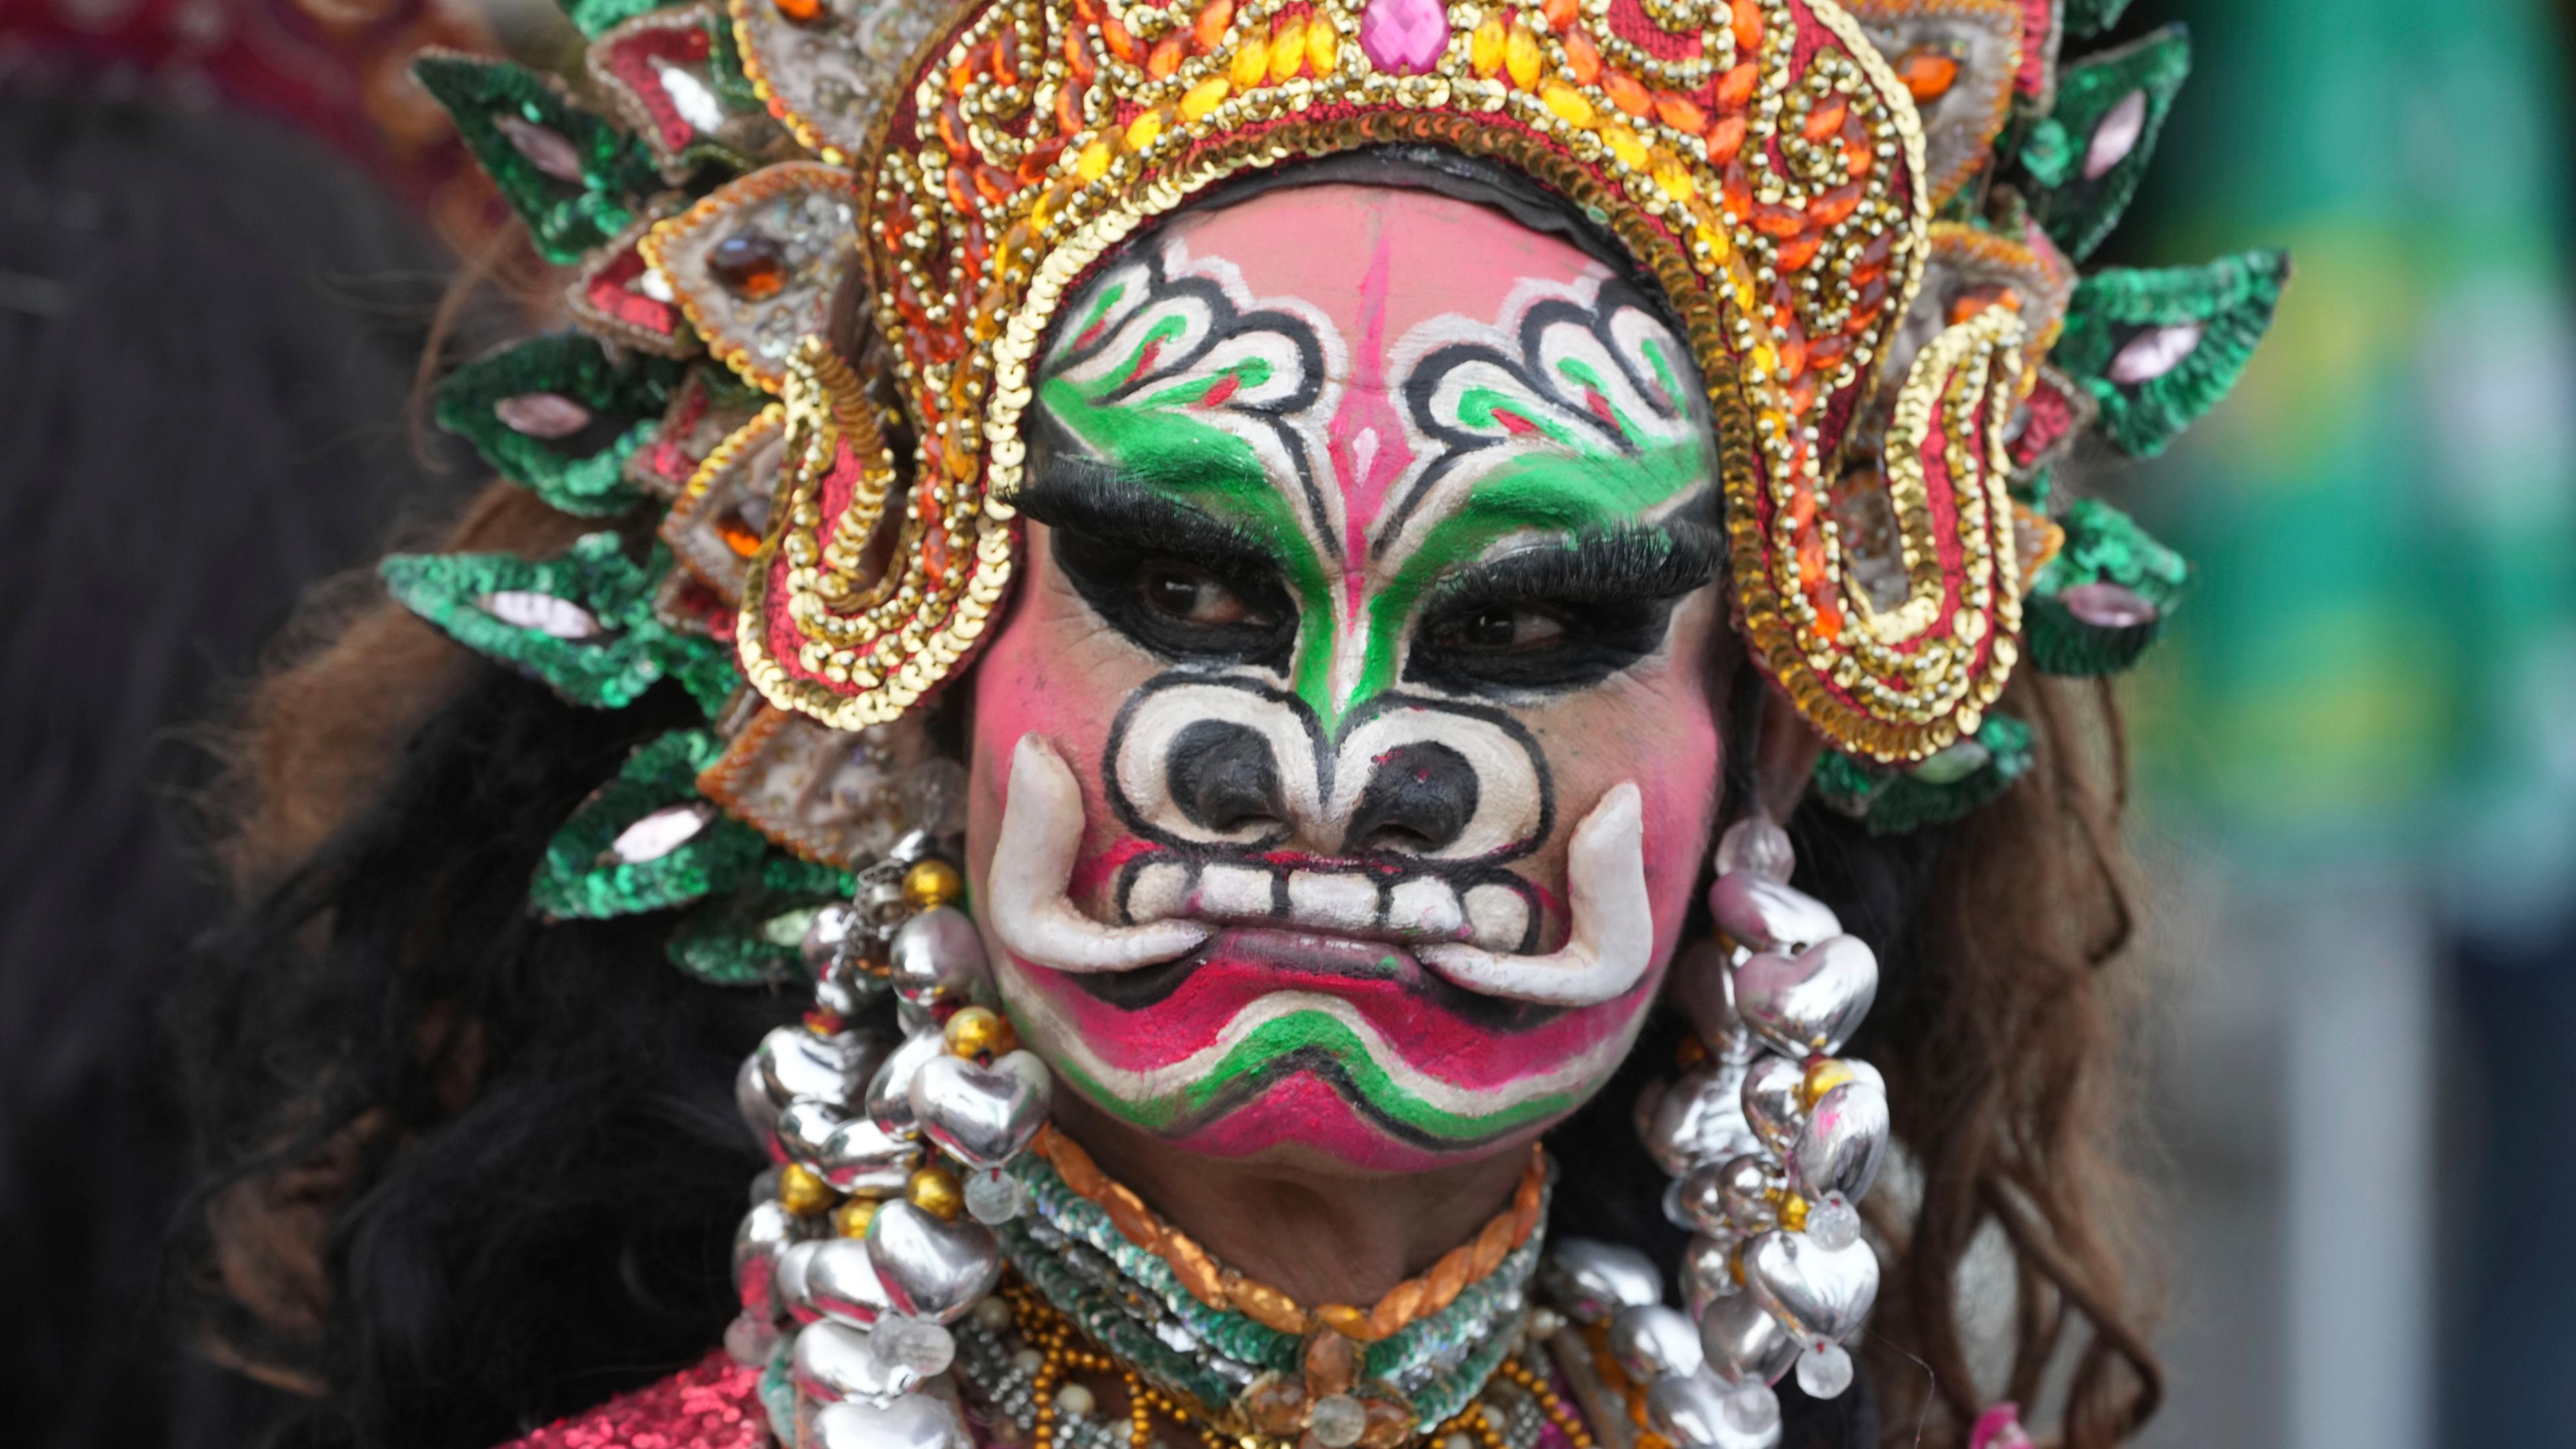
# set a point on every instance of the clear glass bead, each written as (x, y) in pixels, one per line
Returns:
(923, 1347)
(1833, 1224)
(993, 1196)
(1825, 1371)
(1752, 1408)
(749, 1340)
(1337, 1421)
(1757, 844)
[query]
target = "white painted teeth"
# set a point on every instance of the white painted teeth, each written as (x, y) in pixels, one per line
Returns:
(1427, 908)
(1611, 938)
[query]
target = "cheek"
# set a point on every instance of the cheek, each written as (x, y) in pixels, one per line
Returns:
(1657, 726)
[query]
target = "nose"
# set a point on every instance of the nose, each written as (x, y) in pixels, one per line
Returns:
(1223, 778)
(1419, 799)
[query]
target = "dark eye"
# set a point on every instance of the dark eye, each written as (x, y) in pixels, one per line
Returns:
(1523, 644)
(1500, 628)
(1182, 608)
(1191, 596)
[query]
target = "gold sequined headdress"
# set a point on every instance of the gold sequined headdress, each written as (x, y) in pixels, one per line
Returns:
(1761, 161)
(1866, 215)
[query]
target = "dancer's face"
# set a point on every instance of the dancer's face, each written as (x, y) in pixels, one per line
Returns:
(1367, 629)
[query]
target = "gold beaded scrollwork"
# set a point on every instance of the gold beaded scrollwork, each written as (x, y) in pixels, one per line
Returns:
(867, 639)
(1925, 668)
(1756, 156)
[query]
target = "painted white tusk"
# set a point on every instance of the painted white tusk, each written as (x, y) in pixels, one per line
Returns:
(1033, 864)
(1612, 938)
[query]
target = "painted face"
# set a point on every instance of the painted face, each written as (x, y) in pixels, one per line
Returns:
(1346, 763)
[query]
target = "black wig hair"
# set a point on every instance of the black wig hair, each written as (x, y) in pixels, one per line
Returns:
(208, 330)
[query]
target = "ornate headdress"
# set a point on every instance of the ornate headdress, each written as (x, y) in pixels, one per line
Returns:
(1867, 217)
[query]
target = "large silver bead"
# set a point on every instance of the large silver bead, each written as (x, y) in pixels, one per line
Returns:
(1690, 1410)
(910, 1421)
(834, 1361)
(751, 1098)
(1707, 1270)
(1703, 986)
(805, 1126)
(791, 1280)
(890, 1091)
(862, 1157)
(932, 1268)
(1744, 1343)
(1745, 1185)
(1589, 1281)
(1651, 1341)
(1844, 1139)
(1820, 1296)
(938, 959)
(795, 1063)
(828, 936)
(1811, 1002)
(1761, 914)
(841, 1282)
(763, 1234)
(982, 1116)
(1700, 1118)
(1772, 1104)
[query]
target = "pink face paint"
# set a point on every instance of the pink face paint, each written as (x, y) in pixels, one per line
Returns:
(1293, 1033)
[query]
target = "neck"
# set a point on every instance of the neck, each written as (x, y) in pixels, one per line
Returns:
(1318, 1238)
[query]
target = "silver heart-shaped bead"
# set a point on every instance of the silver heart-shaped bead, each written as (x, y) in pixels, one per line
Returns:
(1771, 1104)
(828, 935)
(932, 1268)
(796, 1063)
(759, 1113)
(862, 1157)
(890, 1090)
(1820, 1296)
(1744, 1343)
(1703, 989)
(1707, 1270)
(805, 1126)
(1650, 1341)
(1745, 1188)
(763, 1234)
(982, 1116)
(791, 1281)
(1693, 1203)
(937, 959)
(1700, 1118)
(1690, 1410)
(1810, 1002)
(910, 1421)
(1845, 1137)
(834, 1361)
(1589, 1281)
(1761, 914)
(841, 1282)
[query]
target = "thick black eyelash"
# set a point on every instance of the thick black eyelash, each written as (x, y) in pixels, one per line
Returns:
(1629, 566)
(1107, 533)
(1612, 592)
(1089, 497)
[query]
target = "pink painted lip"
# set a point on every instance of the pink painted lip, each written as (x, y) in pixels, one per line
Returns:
(1468, 1040)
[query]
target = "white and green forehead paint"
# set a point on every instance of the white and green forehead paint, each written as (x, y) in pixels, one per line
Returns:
(1372, 460)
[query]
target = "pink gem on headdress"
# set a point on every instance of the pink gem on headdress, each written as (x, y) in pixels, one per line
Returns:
(1404, 37)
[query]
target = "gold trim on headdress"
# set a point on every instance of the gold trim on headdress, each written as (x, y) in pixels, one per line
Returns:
(1758, 157)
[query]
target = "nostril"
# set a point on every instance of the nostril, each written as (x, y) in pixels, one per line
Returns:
(1223, 779)
(1420, 798)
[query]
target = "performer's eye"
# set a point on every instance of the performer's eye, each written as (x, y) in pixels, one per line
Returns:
(1503, 628)
(1187, 595)
(1473, 646)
